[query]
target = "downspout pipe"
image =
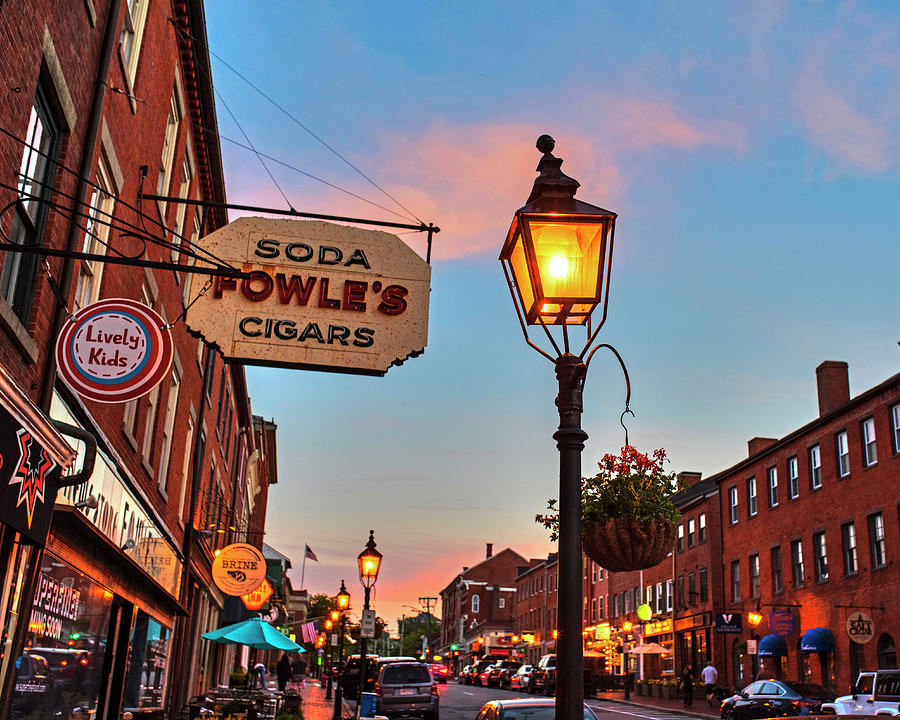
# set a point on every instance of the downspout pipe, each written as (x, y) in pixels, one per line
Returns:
(88, 150)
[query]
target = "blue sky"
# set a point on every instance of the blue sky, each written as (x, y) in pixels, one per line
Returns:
(751, 150)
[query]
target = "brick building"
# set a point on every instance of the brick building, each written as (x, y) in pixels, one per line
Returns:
(477, 607)
(108, 99)
(535, 608)
(811, 538)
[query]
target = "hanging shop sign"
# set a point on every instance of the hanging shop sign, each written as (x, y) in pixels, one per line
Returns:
(257, 598)
(29, 477)
(782, 622)
(320, 296)
(114, 350)
(729, 623)
(659, 627)
(238, 569)
(860, 627)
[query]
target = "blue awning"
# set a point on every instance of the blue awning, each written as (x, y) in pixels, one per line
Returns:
(817, 640)
(772, 646)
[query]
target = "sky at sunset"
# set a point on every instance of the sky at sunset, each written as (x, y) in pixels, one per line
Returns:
(752, 151)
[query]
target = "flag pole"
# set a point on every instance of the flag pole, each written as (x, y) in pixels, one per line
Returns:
(303, 567)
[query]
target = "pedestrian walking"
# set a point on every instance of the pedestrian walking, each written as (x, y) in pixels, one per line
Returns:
(709, 675)
(284, 671)
(259, 675)
(687, 685)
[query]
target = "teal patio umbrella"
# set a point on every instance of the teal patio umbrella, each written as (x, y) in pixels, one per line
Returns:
(255, 633)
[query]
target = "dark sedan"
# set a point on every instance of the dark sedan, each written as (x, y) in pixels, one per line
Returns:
(526, 709)
(775, 698)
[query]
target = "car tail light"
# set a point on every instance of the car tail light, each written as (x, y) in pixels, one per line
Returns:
(83, 661)
(434, 691)
(805, 704)
(378, 691)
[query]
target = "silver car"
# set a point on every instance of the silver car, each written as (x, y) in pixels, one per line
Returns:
(407, 688)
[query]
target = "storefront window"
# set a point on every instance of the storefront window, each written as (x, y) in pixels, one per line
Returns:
(58, 673)
(146, 680)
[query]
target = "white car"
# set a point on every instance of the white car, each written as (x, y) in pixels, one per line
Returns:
(874, 693)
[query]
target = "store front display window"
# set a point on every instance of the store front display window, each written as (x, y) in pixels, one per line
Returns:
(145, 683)
(58, 673)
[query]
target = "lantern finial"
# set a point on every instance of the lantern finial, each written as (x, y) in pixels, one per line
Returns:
(552, 183)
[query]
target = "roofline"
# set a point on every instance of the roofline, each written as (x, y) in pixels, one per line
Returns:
(780, 444)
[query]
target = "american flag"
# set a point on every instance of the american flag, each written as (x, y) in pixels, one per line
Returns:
(310, 554)
(308, 631)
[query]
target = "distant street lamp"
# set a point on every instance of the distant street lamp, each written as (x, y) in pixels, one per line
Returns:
(556, 259)
(369, 564)
(343, 603)
(754, 618)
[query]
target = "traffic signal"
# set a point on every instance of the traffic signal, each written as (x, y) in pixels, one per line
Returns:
(454, 646)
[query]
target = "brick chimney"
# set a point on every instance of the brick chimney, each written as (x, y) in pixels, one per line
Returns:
(758, 444)
(490, 551)
(833, 384)
(689, 477)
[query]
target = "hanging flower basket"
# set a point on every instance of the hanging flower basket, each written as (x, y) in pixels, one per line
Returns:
(627, 514)
(620, 544)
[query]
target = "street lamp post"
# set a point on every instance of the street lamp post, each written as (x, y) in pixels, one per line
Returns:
(343, 603)
(326, 677)
(556, 259)
(369, 561)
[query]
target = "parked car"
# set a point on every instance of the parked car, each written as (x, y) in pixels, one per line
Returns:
(441, 673)
(775, 698)
(524, 709)
(519, 679)
(543, 676)
(350, 677)
(873, 693)
(507, 673)
(375, 670)
(407, 688)
(479, 673)
(465, 675)
(497, 670)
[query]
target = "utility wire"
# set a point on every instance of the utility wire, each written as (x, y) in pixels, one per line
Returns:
(255, 151)
(293, 118)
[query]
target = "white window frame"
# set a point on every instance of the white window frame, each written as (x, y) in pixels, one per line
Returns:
(701, 528)
(843, 454)
(150, 427)
(680, 539)
(170, 140)
(752, 507)
(186, 464)
(733, 504)
(895, 426)
(798, 572)
(669, 594)
(877, 550)
(168, 431)
(132, 36)
(476, 603)
(501, 603)
(848, 548)
(735, 578)
(870, 451)
(820, 556)
(691, 531)
(184, 190)
(754, 575)
(815, 467)
(772, 475)
(793, 472)
(96, 234)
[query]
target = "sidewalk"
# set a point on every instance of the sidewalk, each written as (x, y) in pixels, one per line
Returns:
(315, 706)
(700, 708)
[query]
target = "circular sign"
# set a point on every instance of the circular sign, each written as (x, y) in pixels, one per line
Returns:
(114, 350)
(238, 569)
(860, 628)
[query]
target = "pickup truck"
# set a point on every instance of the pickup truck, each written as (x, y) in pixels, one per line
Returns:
(873, 693)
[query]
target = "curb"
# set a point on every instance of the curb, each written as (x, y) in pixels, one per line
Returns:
(675, 711)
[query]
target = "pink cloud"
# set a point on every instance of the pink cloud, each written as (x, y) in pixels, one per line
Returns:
(847, 93)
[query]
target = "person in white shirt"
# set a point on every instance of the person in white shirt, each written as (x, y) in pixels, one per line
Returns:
(709, 675)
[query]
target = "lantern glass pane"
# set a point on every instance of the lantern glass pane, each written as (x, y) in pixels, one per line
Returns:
(569, 257)
(519, 264)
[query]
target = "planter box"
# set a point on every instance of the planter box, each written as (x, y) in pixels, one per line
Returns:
(670, 692)
(657, 691)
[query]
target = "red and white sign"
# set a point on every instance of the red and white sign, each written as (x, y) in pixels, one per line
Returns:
(114, 350)
(256, 599)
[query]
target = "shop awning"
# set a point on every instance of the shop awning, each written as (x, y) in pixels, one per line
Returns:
(772, 646)
(817, 640)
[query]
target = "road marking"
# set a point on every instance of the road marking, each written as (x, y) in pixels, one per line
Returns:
(605, 708)
(467, 693)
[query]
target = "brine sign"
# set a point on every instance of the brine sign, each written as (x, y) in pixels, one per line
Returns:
(320, 296)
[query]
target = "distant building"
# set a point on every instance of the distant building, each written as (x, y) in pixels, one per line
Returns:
(477, 607)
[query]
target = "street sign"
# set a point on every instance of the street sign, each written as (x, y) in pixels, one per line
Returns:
(320, 296)
(334, 639)
(782, 622)
(114, 351)
(752, 646)
(238, 569)
(367, 624)
(257, 598)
